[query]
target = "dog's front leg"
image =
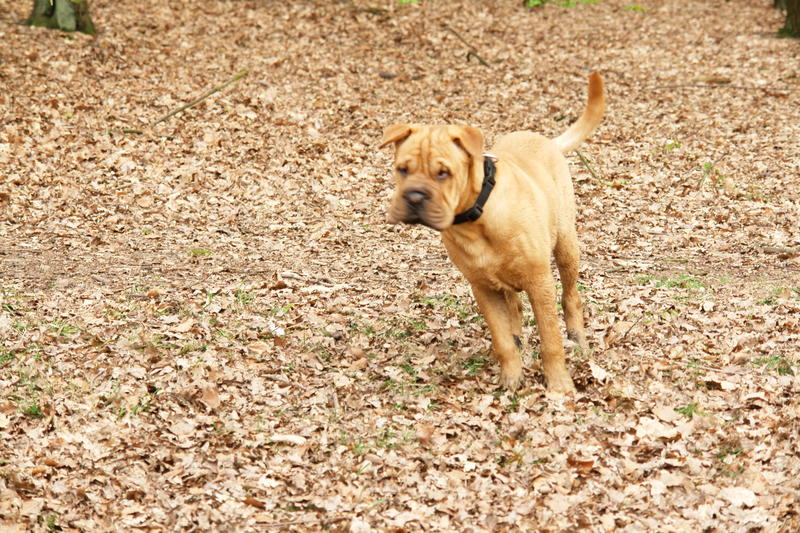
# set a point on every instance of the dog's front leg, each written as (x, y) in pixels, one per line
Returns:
(515, 311)
(495, 308)
(541, 292)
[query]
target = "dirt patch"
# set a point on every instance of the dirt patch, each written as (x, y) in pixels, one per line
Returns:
(209, 326)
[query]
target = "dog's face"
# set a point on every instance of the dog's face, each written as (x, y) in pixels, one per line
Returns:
(434, 170)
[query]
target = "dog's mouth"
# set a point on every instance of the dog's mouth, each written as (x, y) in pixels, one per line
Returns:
(404, 215)
(417, 220)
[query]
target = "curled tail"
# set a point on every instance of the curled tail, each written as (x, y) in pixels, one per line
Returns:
(590, 119)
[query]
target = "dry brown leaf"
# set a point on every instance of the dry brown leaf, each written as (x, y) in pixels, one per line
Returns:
(616, 332)
(254, 502)
(259, 347)
(184, 326)
(210, 396)
(598, 372)
(424, 433)
(739, 496)
(582, 466)
(288, 439)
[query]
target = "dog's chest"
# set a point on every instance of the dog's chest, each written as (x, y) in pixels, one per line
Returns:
(479, 261)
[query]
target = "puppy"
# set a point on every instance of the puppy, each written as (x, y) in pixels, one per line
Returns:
(501, 217)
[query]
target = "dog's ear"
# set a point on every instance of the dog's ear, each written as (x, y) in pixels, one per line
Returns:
(396, 133)
(468, 138)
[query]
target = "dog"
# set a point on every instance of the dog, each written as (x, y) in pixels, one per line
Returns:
(502, 216)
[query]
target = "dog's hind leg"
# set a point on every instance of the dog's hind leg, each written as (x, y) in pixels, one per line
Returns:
(567, 257)
(541, 291)
(500, 318)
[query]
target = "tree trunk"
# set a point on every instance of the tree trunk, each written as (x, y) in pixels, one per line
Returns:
(792, 26)
(66, 15)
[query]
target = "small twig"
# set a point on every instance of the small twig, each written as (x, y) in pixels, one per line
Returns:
(279, 378)
(380, 11)
(208, 93)
(718, 86)
(476, 56)
(588, 166)
(689, 363)
(632, 326)
(719, 370)
(780, 250)
(305, 521)
(140, 132)
(473, 52)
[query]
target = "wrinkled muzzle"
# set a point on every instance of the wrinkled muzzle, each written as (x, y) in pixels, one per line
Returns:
(418, 204)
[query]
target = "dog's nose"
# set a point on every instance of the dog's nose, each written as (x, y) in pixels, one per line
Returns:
(415, 199)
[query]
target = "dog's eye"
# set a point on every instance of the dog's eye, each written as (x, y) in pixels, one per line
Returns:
(403, 171)
(443, 174)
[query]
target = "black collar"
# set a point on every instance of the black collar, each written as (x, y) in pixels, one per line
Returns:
(474, 213)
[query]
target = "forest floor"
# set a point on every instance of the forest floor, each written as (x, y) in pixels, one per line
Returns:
(208, 326)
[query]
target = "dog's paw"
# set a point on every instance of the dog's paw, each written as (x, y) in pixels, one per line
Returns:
(579, 343)
(511, 377)
(560, 383)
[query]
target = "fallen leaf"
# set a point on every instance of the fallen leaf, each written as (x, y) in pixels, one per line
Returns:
(617, 332)
(210, 396)
(739, 496)
(289, 439)
(598, 372)
(32, 508)
(582, 466)
(359, 525)
(255, 503)
(259, 347)
(653, 429)
(184, 326)
(183, 428)
(425, 433)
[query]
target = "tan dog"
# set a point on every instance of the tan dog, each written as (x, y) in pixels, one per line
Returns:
(529, 215)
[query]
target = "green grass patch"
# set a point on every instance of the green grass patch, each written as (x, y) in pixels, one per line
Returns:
(682, 281)
(475, 365)
(394, 328)
(200, 252)
(32, 409)
(63, 328)
(559, 3)
(779, 293)
(6, 356)
(450, 304)
(243, 297)
(409, 369)
(778, 364)
(513, 404)
(51, 522)
(688, 410)
(689, 287)
(192, 347)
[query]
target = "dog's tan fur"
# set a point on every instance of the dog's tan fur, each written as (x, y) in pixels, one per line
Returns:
(529, 216)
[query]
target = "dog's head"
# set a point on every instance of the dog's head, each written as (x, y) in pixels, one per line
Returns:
(435, 170)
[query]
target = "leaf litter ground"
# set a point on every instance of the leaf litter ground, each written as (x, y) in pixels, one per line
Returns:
(208, 326)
